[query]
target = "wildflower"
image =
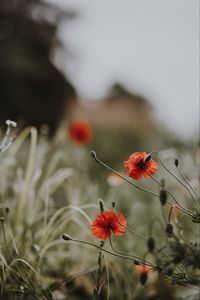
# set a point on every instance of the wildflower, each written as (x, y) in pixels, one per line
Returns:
(114, 180)
(143, 269)
(80, 132)
(138, 167)
(107, 222)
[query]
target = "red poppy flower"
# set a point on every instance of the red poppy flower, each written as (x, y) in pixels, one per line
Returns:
(80, 132)
(107, 222)
(137, 168)
(143, 269)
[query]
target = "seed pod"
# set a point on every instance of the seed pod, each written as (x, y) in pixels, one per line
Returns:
(93, 155)
(113, 204)
(147, 158)
(143, 278)
(7, 210)
(66, 237)
(169, 229)
(163, 197)
(176, 162)
(177, 259)
(169, 270)
(101, 206)
(151, 244)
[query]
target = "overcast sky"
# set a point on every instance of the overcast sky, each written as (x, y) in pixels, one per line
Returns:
(152, 46)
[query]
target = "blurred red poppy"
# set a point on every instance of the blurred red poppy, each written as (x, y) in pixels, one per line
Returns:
(137, 167)
(80, 132)
(108, 222)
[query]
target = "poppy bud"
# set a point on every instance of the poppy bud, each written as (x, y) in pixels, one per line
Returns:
(169, 270)
(143, 278)
(7, 210)
(177, 259)
(113, 204)
(66, 237)
(150, 244)
(147, 158)
(169, 229)
(163, 197)
(176, 162)
(101, 205)
(93, 155)
(2, 219)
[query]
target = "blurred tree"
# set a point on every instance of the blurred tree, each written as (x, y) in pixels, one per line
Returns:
(33, 90)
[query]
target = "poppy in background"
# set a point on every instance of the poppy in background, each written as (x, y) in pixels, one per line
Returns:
(80, 132)
(143, 269)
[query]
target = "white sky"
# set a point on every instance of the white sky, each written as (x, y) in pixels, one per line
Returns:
(152, 46)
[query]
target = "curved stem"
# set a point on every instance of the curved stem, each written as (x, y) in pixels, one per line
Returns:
(93, 154)
(139, 235)
(174, 176)
(184, 178)
(154, 179)
(140, 260)
(132, 258)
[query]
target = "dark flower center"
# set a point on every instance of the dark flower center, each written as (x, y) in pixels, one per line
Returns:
(141, 165)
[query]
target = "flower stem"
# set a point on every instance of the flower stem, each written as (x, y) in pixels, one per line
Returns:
(93, 155)
(184, 209)
(132, 258)
(174, 176)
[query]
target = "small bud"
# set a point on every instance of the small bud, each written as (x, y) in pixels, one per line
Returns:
(169, 229)
(176, 162)
(151, 244)
(2, 219)
(66, 237)
(177, 259)
(7, 210)
(147, 158)
(169, 270)
(101, 205)
(113, 204)
(93, 155)
(143, 278)
(102, 243)
(163, 197)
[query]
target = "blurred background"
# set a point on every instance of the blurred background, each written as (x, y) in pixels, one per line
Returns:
(130, 69)
(136, 62)
(149, 47)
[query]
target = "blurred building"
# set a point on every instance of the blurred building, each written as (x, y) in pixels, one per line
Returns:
(120, 108)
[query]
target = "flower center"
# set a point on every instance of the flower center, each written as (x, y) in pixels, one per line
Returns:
(141, 165)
